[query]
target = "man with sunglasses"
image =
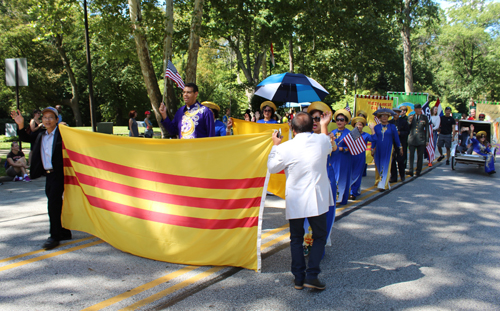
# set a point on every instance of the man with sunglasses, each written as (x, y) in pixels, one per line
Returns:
(193, 120)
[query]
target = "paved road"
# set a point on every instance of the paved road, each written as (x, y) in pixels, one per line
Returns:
(431, 243)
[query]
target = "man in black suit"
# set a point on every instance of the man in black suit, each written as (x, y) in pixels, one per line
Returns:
(48, 160)
(418, 138)
(398, 160)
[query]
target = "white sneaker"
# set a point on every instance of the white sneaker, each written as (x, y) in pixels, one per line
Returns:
(18, 178)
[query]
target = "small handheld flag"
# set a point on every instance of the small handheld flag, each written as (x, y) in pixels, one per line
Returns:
(355, 142)
(174, 75)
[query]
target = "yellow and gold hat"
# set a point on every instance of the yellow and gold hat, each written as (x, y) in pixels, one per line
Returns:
(481, 133)
(358, 119)
(361, 112)
(211, 105)
(343, 112)
(268, 103)
(321, 106)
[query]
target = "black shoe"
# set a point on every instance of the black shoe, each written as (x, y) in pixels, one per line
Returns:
(492, 172)
(402, 178)
(351, 197)
(50, 244)
(418, 174)
(299, 284)
(393, 180)
(440, 158)
(316, 284)
(66, 237)
(410, 173)
(447, 162)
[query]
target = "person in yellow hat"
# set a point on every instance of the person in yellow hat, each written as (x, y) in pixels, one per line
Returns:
(342, 158)
(268, 109)
(482, 147)
(220, 127)
(359, 160)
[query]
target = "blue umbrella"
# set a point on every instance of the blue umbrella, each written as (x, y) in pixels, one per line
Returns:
(291, 87)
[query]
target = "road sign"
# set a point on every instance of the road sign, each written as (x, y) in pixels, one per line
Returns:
(10, 71)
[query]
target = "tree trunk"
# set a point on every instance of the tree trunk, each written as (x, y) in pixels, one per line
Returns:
(147, 68)
(405, 35)
(168, 85)
(290, 54)
(194, 41)
(73, 102)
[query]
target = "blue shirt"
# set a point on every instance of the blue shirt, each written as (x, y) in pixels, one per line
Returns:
(272, 121)
(191, 122)
(220, 128)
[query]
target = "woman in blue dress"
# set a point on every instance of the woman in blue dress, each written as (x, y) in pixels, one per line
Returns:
(387, 137)
(481, 146)
(359, 160)
(341, 159)
(320, 110)
(268, 109)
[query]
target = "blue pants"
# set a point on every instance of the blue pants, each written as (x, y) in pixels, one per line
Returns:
(320, 232)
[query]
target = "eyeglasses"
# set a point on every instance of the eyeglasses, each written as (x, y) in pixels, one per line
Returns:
(267, 110)
(316, 119)
(340, 120)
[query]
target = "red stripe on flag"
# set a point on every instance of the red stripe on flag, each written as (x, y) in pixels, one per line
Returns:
(430, 147)
(175, 220)
(355, 146)
(161, 197)
(170, 179)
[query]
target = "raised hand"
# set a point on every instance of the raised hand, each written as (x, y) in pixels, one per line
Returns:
(163, 111)
(325, 118)
(18, 118)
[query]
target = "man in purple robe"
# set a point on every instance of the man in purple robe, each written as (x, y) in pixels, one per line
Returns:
(192, 120)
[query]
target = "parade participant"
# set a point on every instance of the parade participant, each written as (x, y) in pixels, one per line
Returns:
(418, 138)
(192, 120)
(398, 160)
(148, 133)
(359, 160)
(342, 158)
(318, 110)
(309, 194)
(35, 125)
(436, 122)
(481, 117)
(268, 109)
(48, 161)
(256, 116)
(387, 137)
(482, 147)
(226, 117)
(17, 164)
(362, 114)
(248, 115)
(446, 135)
(132, 124)
(220, 127)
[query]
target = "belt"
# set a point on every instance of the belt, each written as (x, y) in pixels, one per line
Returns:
(49, 171)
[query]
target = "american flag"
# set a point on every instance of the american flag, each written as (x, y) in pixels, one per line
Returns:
(376, 120)
(173, 75)
(355, 142)
(430, 147)
(347, 108)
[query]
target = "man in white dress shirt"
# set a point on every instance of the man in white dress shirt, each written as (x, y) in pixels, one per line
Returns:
(308, 192)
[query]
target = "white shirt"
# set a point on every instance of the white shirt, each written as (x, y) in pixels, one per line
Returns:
(436, 122)
(304, 159)
(46, 149)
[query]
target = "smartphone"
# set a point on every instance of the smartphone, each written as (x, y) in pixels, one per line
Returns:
(279, 133)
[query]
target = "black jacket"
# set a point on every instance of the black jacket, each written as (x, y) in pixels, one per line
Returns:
(35, 138)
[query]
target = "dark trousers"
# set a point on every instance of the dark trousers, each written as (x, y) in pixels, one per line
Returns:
(54, 188)
(420, 157)
(398, 162)
(318, 226)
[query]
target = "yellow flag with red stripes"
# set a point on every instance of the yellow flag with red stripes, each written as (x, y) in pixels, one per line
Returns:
(277, 182)
(196, 202)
